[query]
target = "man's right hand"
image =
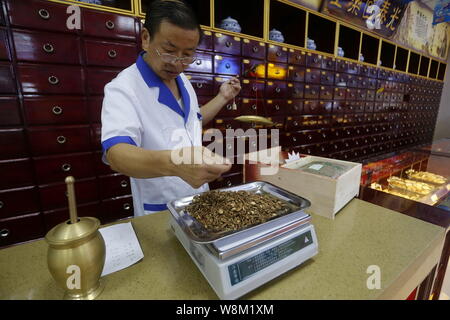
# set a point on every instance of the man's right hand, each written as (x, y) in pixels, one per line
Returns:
(198, 165)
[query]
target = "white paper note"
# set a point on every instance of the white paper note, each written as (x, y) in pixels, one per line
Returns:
(122, 247)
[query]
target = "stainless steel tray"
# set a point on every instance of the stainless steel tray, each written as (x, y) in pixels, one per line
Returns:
(197, 233)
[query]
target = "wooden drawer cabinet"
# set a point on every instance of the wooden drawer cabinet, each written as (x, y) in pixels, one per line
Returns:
(12, 144)
(7, 83)
(55, 110)
(253, 49)
(21, 228)
(97, 79)
(108, 25)
(55, 195)
(57, 168)
(51, 79)
(18, 202)
(297, 57)
(38, 14)
(277, 54)
(46, 47)
(53, 140)
(227, 44)
(114, 186)
(252, 88)
(10, 111)
(112, 54)
(16, 173)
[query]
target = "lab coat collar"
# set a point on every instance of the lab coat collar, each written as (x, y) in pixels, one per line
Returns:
(165, 95)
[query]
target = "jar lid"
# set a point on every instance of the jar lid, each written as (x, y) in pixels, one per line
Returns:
(67, 233)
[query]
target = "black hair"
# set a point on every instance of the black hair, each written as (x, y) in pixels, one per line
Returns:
(176, 12)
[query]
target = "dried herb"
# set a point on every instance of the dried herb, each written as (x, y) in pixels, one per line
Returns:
(222, 211)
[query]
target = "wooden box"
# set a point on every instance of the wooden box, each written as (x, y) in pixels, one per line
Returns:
(327, 195)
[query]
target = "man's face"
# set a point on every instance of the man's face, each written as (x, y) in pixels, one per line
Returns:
(173, 40)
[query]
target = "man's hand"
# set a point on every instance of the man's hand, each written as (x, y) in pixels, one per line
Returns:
(198, 165)
(230, 89)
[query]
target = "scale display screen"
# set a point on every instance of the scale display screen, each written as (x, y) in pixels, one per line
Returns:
(244, 269)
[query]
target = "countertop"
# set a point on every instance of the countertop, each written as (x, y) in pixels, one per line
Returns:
(362, 234)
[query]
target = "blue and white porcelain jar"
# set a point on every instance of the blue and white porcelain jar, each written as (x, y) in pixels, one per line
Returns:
(276, 35)
(230, 24)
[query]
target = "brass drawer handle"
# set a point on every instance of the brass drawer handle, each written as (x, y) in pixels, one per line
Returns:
(61, 139)
(254, 107)
(254, 88)
(110, 25)
(4, 233)
(198, 62)
(48, 48)
(53, 80)
(126, 206)
(199, 85)
(277, 107)
(229, 183)
(124, 183)
(229, 107)
(227, 65)
(278, 54)
(112, 53)
(44, 14)
(277, 90)
(57, 110)
(255, 49)
(66, 167)
(228, 44)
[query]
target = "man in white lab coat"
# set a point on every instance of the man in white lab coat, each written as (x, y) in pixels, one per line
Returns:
(151, 117)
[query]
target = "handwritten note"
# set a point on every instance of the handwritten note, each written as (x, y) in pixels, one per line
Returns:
(122, 247)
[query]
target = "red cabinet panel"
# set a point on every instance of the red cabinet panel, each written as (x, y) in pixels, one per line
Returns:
(203, 84)
(112, 54)
(57, 168)
(16, 173)
(12, 143)
(46, 47)
(52, 140)
(4, 50)
(9, 111)
(55, 110)
(55, 196)
(18, 201)
(7, 83)
(297, 57)
(51, 79)
(277, 54)
(97, 79)
(204, 63)
(229, 65)
(253, 49)
(22, 228)
(43, 15)
(227, 44)
(108, 25)
(114, 186)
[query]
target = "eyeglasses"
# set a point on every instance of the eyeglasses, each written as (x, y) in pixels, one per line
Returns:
(170, 58)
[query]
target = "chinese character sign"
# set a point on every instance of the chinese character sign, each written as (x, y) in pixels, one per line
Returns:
(441, 11)
(380, 16)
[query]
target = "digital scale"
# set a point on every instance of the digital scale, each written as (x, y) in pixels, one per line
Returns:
(237, 263)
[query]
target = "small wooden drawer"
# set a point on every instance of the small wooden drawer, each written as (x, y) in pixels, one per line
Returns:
(51, 79)
(4, 48)
(251, 106)
(111, 54)
(57, 168)
(207, 41)
(295, 90)
(203, 84)
(22, 228)
(55, 110)
(227, 44)
(311, 107)
(47, 47)
(296, 73)
(277, 53)
(53, 140)
(312, 76)
(312, 91)
(16, 173)
(114, 186)
(10, 111)
(326, 92)
(55, 195)
(361, 94)
(252, 88)
(7, 82)
(297, 57)
(97, 79)
(276, 107)
(329, 63)
(313, 60)
(41, 15)
(228, 65)
(253, 68)
(116, 208)
(326, 78)
(108, 25)
(276, 89)
(352, 81)
(294, 107)
(253, 49)
(202, 64)
(12, 144)
(18, 202)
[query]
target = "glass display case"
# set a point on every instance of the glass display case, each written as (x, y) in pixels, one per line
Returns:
(415, 175)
